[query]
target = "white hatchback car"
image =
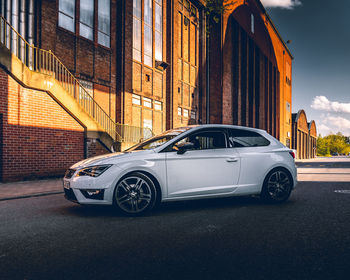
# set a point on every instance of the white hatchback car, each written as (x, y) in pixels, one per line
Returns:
(186, 163)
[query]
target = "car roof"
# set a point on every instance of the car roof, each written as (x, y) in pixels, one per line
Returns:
(191, 128)
(200, 126)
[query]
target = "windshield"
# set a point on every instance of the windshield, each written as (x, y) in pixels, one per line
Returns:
(158, 140)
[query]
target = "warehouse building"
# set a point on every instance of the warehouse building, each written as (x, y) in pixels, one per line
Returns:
(83, 76)
(304, 139)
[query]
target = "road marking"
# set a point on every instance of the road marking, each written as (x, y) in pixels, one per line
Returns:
(342, 191)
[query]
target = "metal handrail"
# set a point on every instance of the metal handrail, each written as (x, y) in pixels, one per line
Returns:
(46, 62)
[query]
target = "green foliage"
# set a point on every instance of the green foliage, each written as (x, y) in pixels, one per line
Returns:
(331, 144)
(215, 9)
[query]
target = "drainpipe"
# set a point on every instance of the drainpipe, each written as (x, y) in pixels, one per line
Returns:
(207, 120)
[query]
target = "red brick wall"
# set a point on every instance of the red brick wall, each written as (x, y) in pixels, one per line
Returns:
(95, 148)
(39, 137)
(86, 59)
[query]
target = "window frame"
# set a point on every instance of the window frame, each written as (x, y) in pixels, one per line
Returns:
(169, 148)
(230, 133)
(95, 28)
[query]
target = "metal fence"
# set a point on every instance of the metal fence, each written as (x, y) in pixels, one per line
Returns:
(133, 134)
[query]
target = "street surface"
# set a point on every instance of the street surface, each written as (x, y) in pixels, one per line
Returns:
(236, 238)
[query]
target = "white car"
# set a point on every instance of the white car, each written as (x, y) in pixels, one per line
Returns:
(186, 163)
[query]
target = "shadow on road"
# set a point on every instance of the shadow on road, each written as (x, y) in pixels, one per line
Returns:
(178, 207)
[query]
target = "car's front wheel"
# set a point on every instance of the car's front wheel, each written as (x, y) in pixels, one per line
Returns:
(135, 194)
(277, 186)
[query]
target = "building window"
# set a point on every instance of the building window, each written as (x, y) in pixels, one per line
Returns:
(137, 30)
(252, 27)
(104, 23)
(136, 99)
(152, 31)
(147, 116)
(66, 12)
(87, 24)
(88, 93)
(148, 38)
(86, 20)
(147, 102)
(158, 34)
(185, 113)
(157, 105)
(288, 106)
(187, 25)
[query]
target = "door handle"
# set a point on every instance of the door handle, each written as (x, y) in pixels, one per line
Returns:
(232, 159)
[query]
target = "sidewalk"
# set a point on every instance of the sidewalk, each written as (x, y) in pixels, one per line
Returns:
(30, 188)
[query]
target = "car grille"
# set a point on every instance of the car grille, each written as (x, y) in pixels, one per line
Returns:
(69, 173)
(69, 194)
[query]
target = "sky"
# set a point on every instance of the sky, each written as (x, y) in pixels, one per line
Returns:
(319, 31)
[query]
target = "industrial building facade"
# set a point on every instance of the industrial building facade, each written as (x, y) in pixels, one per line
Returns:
(304, 139)
(142, 65)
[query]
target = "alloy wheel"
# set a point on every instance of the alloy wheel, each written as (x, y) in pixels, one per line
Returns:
(278, 186)
(135, 194)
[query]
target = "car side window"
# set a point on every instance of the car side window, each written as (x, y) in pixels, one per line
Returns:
(204, 140)
(245, 138)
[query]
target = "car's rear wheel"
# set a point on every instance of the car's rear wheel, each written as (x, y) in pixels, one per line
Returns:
(277, 186)
(135, 194)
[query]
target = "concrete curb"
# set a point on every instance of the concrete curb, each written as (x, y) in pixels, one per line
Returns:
(30, 195)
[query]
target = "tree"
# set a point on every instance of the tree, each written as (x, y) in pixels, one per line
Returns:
(331, 144)
(215, 9)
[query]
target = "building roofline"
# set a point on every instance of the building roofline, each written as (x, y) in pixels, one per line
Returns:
(295, 116)
(310, 124)
(274, 27)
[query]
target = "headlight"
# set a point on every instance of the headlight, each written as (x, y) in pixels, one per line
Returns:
(93, 171)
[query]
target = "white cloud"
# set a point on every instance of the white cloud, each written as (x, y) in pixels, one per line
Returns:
(322, 103)
(284, 4)
(333, 124)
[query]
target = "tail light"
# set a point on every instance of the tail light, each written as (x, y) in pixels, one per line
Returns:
(292, 154)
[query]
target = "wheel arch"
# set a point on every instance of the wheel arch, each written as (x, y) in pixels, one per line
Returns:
(276, 168)
(149, 175)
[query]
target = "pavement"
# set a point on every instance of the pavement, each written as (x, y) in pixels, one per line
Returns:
(27, 189)
(313, 170)
(323, 169)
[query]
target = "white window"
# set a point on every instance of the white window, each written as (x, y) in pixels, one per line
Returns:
(104, 23)
(147, 102)
(86, 90)
(86, 26)
(158, 105)
(185, 113)
(136, 99)
(193, 115)
(66, 14)
(179, 111)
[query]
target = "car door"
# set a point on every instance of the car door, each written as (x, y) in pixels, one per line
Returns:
(255, 157)
(209, 168)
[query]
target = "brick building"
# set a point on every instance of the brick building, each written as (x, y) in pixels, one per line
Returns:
(121, 70)
(304, 136)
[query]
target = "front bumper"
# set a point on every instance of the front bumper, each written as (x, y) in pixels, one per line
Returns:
(91, 190)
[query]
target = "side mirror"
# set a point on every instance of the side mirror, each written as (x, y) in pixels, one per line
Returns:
(183, 147)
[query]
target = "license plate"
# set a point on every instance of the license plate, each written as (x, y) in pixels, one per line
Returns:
(66, 185)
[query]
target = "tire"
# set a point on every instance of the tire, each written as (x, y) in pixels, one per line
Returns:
(135, 194)
(277, 186)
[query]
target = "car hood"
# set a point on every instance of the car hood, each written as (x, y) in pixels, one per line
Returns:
(109, 158)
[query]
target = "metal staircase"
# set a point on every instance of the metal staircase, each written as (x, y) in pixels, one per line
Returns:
(45, 62)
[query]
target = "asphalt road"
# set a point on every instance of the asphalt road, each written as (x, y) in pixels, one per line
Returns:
(237, 238)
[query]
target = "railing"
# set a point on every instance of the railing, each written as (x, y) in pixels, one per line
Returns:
(46, 62)
(133, 134)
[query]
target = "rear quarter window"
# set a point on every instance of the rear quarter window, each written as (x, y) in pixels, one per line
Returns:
(245, 138)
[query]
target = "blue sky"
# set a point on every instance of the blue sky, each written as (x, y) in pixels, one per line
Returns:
(319, 31)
